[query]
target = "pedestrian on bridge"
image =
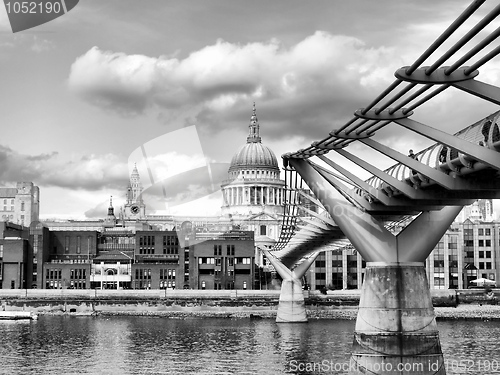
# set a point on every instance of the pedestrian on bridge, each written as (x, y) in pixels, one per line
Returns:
(414, 157)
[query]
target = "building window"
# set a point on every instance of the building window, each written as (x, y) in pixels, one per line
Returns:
(66, 244)
(53, 278)
(22, 206)
(480, 232)
(263, 230)
(320, 263)
(487, 232)
(481, 243)
(488, 243)
(78, 244)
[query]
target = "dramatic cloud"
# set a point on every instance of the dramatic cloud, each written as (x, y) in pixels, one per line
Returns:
(306, 89)
(92, 172)
(324, 73)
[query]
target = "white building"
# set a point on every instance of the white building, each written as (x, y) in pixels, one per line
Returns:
(20, 204)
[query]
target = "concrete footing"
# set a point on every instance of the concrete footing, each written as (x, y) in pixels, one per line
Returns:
(396, 330)
(291, 307)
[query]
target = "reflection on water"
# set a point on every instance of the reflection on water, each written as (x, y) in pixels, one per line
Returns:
(146, 345)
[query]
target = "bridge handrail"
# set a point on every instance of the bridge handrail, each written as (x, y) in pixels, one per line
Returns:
(485, 132)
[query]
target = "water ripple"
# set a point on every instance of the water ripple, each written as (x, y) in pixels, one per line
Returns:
(146, 345)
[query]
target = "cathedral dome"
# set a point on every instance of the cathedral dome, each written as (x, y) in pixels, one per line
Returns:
(254, 154)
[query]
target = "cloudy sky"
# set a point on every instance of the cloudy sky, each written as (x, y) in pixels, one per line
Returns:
(82, 96)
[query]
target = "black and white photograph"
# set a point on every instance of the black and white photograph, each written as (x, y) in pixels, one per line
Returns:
(250, 187)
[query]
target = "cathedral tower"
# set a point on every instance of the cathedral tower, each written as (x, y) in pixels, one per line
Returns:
(253, 185)
(134, 205)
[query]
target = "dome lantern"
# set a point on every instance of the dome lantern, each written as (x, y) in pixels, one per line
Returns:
(254, 131)
(254, 154)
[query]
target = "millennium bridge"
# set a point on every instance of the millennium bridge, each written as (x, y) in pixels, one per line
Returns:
(421, 193)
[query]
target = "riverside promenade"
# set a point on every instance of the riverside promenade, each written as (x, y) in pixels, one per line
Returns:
(258, 304)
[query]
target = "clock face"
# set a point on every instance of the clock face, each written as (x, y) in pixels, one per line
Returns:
(134, 209)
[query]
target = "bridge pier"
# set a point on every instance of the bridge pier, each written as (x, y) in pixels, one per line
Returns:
(396, 330)
(395, 327)
(291, 306)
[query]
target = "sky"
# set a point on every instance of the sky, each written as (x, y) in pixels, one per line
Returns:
(85, 96)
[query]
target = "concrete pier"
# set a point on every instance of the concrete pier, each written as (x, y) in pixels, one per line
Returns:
(291, 307)
(396, 330)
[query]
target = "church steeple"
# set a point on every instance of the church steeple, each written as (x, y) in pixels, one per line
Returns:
(254, 131)
(134, 205)
(110, 220)
(134, 191)
(111, 210)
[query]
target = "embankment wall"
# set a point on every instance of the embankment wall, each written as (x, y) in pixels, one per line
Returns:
(96, 300)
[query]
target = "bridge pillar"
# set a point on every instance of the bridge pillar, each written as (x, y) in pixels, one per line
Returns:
(395, 327)
(291, 306)
(396, 330)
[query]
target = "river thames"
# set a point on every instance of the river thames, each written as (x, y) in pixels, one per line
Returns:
(152, 345)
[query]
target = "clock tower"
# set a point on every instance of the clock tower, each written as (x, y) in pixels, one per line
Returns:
(134, 205)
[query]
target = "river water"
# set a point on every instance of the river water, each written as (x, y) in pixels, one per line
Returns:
(151, 345)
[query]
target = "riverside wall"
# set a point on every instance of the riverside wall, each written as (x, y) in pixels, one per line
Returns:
(108, 301)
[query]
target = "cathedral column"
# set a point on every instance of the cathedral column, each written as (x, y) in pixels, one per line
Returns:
(267, 195)
(255, 194)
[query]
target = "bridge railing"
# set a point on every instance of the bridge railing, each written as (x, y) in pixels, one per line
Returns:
(485, 133)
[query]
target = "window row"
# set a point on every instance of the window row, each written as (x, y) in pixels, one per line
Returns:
(78, 273)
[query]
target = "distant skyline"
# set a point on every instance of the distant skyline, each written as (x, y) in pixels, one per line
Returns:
(84, 92)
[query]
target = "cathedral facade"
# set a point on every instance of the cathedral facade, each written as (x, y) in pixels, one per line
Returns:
(253, 194)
